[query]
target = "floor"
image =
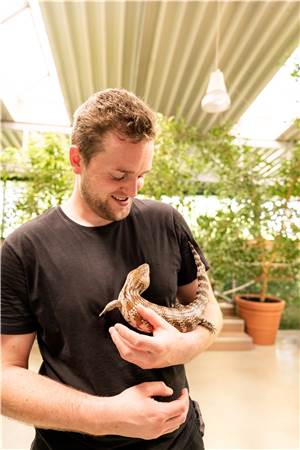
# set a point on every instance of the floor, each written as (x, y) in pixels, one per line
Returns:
(249, 400)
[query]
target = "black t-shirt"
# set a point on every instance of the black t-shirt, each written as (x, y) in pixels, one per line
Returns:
(57, 276)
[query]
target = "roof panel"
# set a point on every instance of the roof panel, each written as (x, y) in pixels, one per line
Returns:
(165, 51)
(291, 134)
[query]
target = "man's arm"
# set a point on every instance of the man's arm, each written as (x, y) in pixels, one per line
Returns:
(168, 346)
(200, 339)
(45, 403)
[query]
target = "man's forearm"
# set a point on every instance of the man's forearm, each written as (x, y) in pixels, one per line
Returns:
(44, 403)
(37, 400)
(198, 340)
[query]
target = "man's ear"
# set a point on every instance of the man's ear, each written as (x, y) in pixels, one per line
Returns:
(75, 159)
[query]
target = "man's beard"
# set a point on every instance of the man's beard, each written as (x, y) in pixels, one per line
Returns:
(100, 207)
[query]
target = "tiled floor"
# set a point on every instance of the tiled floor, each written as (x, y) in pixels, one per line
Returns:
(249, 400)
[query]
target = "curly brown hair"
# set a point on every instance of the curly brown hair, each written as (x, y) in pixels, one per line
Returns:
(111, 110)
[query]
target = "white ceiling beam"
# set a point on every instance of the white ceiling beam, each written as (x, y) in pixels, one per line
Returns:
(23, 126)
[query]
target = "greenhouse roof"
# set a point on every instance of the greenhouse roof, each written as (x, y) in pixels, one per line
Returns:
(58, 53)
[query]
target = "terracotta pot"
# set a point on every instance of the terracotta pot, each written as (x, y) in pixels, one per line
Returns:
(262, 318)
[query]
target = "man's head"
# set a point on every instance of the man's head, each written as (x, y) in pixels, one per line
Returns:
(111, 110)
(111, 152)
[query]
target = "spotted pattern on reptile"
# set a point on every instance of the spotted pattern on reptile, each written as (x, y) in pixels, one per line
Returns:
(184, 317)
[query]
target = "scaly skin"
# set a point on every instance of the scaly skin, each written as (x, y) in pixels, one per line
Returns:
(183, 317)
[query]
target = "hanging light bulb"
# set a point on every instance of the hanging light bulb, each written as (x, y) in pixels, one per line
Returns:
(216, 98)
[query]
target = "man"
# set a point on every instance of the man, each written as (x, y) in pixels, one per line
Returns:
(102, 385)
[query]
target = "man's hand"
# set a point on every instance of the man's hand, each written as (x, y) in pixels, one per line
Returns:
(145, 417)
(167, 346)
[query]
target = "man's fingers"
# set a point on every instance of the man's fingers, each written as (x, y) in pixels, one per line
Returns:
(133, 339)
(178, 407)
(137, 342)
(156, 388)
(118, 341)
(141, 358)
(152, 317)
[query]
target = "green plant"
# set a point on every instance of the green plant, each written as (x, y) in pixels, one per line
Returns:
(176, 163)
(42, 174)
(254, 237)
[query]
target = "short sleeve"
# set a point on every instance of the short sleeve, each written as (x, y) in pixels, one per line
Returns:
(188, 270)
(16, 316)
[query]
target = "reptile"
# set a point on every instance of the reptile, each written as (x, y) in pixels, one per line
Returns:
(184, 317)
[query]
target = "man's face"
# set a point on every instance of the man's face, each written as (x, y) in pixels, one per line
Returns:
(114, 176)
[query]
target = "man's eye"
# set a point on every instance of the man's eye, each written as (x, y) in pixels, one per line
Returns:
(119, 178)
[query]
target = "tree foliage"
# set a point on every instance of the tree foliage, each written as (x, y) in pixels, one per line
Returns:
(176, 163)
(255, 235)
(42, 173)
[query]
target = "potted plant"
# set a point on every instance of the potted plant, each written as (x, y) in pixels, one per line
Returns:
(253, 238)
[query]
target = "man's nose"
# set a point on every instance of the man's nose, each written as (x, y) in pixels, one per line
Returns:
(132, 187)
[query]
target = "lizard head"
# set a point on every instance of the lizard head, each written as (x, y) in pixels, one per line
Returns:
(139, 278)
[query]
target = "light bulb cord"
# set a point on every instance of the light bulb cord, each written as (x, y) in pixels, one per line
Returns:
(217, 37)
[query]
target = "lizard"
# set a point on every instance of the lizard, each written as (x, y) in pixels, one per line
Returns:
(184, 317)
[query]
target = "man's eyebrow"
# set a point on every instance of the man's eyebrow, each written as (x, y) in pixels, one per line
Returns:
(124, 171)
(129, 171)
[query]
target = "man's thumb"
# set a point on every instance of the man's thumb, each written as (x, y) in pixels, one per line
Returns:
(156, 388)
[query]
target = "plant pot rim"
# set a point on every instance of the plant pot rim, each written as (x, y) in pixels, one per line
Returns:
(251, 296)
(248, 303)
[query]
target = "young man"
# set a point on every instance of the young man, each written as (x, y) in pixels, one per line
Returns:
(102, 384)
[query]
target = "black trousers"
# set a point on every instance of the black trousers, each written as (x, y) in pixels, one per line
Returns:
(195, 443)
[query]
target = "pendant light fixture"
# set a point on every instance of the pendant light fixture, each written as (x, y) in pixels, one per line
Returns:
(216, 99)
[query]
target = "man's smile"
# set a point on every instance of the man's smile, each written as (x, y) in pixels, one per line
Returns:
(122, 200)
